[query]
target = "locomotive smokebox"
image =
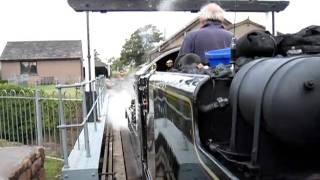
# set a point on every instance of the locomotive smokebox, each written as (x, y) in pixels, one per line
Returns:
(285, 94)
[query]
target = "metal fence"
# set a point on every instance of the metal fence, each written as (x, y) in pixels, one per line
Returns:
(25, 79)
(19, 79)
(30, 117)
(98, 95)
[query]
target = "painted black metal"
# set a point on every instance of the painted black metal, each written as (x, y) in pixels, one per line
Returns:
(88, 45)
(273, 24)
(181, 5)
(186, 87)
(258, 112)
(234, 100)
(202, 96)
(89, 103)
(142, 96)
(179, 141)
(221, 161)
(276, 84)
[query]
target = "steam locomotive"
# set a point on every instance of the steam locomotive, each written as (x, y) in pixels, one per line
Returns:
(261, 123)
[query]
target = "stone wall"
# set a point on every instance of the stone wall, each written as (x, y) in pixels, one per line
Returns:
(31, 168)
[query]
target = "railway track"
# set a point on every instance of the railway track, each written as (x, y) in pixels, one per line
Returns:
(107, 171)
(119, 158)
(119, 161)
(131, 155)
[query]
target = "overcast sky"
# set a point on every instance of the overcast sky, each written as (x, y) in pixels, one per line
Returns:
(26, 20)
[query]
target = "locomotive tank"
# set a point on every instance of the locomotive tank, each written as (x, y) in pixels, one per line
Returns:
(284, 94)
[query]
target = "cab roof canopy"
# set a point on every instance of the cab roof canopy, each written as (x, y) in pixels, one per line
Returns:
(176, 5)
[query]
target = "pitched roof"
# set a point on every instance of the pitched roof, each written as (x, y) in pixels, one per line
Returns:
(246, 21)
(41, 50)
(100, 64)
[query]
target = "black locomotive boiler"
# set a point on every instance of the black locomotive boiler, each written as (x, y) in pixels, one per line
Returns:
(261, 123)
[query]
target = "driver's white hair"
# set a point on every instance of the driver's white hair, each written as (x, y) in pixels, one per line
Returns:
(211, 11)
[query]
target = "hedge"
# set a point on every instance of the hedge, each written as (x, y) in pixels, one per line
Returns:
(3, 81)
(18, 116)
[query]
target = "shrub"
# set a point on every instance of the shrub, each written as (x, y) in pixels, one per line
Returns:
(18, 115)
(9, 87)
(3, 81)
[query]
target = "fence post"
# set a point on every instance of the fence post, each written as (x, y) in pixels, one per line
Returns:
(63, 131)
(38, 118)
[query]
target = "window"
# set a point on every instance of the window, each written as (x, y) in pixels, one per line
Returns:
(28, 67)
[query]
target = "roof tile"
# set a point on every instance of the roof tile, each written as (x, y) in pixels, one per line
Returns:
(39, 50)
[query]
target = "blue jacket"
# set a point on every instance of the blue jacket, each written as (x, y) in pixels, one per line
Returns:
(210, 37)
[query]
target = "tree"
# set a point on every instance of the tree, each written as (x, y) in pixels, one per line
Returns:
(96, 55)
(117, 64)
(132, 50)
(141, 41)
(150, 36)
(111, 60)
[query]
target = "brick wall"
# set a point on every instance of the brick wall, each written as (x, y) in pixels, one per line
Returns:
(32, 167)
(64, 71)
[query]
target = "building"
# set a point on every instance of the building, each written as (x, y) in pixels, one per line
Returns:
(102, 68)
(176, 40)
(42, 62)
(243, 27)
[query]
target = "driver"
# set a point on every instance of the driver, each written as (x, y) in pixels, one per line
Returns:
(210, 36)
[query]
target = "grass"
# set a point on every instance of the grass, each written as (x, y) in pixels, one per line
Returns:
(52, 168)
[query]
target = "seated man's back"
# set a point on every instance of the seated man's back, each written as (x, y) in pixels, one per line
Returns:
(210, 36)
